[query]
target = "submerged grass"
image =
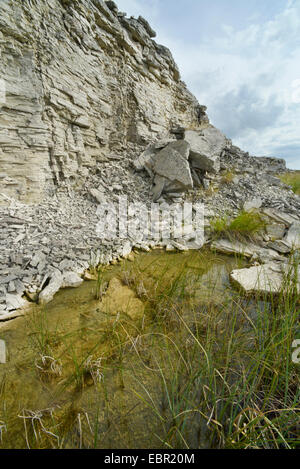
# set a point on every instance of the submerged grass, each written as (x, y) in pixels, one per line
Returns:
(197, 371)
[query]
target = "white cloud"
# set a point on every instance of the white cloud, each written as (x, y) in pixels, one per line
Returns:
(247, 77)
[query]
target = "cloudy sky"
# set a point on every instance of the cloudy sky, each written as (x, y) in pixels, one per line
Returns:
(241, 58)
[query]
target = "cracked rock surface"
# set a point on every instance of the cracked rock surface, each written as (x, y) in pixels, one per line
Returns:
(95, 109)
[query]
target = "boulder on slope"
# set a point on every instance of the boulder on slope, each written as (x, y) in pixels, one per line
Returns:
(207, 146)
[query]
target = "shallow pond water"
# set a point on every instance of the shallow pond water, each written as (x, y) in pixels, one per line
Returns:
(83, 372)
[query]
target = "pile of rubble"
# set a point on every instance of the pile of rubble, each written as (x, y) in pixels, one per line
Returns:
(179, 165)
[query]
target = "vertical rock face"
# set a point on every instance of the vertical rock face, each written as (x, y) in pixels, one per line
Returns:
(81, 82)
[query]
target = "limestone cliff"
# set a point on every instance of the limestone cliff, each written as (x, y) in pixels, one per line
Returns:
(82, 82)
(91, 109)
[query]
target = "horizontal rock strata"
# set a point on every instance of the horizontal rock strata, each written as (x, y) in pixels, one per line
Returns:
(82, 82)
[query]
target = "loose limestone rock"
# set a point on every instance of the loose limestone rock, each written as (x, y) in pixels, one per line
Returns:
(229, 247)
(14, 301)
(293, 236)
(276, 231)
(247, 250)
(127, 248)
(172, 163)
(120, 299)
(9, 316)
(55, 283)
(158, 187)
(169, 165)
(281, 217)
(2, 352)
(207, 146)
(252, 204)
(146, 159)
(98, 196)
(71, 280)
(279, 246)
(263, 279)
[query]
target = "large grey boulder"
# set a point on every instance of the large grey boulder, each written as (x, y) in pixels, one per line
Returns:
(71, 280)
(172, 163)
(262, 279)
(2, 352)
(207, 146)
(14, 301)
(167, 161)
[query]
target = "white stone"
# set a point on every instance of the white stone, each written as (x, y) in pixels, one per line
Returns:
(127, 248)
(12, 315)
(275, 231)
(37, 258)
(98, 196)
(206, 148)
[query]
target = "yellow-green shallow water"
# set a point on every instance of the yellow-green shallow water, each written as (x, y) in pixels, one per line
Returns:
(86, 372)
